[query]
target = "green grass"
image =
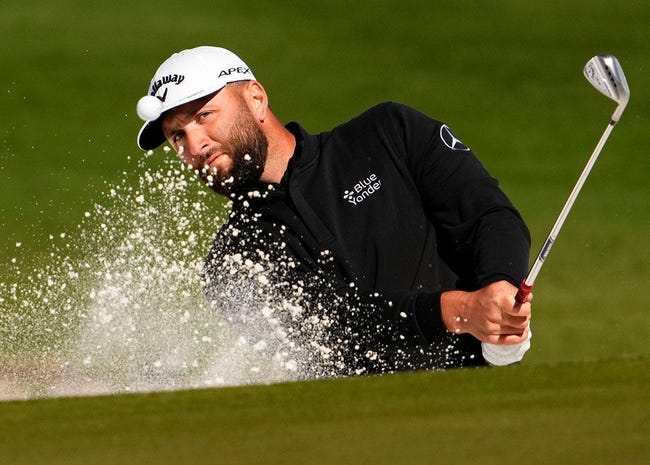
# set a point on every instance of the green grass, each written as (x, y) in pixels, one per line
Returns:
(506, 76)
(568, 413)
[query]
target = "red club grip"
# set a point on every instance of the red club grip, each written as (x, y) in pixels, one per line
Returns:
(522, 293)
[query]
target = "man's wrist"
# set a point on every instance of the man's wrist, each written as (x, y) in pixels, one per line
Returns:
(452, 304)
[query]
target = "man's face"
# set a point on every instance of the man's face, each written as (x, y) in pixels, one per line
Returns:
(220, 139)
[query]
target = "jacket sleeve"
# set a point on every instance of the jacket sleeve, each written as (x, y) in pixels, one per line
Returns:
(481, 235)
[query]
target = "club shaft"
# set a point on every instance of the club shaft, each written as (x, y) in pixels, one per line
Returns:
(527, 284)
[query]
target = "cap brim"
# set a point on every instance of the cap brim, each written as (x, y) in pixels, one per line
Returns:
(151, 135)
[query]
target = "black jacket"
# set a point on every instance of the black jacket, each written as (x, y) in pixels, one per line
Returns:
(371, 221)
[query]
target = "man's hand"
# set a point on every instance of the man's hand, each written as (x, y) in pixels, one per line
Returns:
(490, 314)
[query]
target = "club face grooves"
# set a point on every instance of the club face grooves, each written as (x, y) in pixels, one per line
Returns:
(604, 72)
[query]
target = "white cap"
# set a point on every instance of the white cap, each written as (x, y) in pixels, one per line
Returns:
(184, 77)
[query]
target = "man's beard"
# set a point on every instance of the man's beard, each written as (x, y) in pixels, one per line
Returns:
(248, 148)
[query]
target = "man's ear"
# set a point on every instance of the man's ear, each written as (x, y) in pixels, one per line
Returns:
(257, 100)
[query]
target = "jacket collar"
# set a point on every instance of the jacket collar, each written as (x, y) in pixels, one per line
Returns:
(306, 151)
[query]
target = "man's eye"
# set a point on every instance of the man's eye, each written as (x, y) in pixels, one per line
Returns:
(203, 115)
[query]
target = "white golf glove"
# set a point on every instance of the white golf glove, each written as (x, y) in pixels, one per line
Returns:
(505, 355)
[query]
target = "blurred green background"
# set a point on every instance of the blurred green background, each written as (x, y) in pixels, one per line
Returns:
(505, 75)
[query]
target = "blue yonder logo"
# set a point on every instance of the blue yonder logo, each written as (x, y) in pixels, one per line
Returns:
(363, 189)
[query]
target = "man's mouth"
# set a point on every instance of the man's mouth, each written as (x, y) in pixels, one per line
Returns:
(212, 159)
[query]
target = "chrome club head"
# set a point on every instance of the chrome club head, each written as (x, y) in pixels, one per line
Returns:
(604, 72)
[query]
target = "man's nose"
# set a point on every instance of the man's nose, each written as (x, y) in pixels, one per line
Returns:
(197, 142)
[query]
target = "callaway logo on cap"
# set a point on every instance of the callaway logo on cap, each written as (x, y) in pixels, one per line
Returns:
(184, 77)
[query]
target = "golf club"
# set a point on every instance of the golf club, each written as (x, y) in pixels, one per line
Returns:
(604, 72)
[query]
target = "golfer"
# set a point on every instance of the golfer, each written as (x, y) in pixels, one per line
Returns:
(382, 244)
